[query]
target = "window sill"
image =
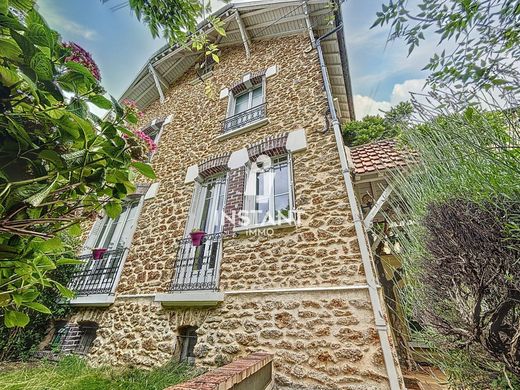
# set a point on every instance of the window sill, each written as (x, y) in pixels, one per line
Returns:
(245, 229)
(243, 129)
(190, 298)
(101, 300)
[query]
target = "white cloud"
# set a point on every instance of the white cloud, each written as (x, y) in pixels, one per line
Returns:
(365, 105)
(64, 24)
(401, 92)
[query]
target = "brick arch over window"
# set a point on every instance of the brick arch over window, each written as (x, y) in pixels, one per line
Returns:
(214, 165)
(271, 146)
(241, 85)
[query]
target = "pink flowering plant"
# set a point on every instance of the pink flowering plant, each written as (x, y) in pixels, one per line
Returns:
(83, 57)
(141, 144)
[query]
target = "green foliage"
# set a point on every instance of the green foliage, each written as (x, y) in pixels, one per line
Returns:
(72, 372)
(59, 162)
(485, 33)
(373, 128)
(20, 343)
(177, 19)
(459, 257)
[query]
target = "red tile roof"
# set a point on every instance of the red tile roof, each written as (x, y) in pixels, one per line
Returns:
(378, 156)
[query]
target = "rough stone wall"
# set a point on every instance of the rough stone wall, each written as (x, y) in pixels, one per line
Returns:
(320, 340)
(295, 99)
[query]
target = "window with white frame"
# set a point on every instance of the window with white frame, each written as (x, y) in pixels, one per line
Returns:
(245, 108)
(104, 252)
(251, 98)
(269, 198)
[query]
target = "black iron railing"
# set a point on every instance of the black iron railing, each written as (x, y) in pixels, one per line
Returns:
(197, 267)
(97, 276)
(239, 120)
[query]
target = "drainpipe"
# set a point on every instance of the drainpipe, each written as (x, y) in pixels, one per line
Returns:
(380, 321)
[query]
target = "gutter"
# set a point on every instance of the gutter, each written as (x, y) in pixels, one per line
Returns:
(381, 325)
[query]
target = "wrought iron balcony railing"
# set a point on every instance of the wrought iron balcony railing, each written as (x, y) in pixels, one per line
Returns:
(97, 276)
(197, 267)
(249, 116)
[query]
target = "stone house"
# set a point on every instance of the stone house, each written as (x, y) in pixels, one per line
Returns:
(249, 152)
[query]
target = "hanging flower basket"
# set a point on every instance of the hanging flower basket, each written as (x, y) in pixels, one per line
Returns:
(197, 236)
(97, 253)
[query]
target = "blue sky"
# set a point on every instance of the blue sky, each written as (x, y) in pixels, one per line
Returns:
(382, 74)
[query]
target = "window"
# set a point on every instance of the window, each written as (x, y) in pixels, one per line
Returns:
(269, 194)
(248, 99)
(246, 109)
(87, 332)
(197, 267)
(98, 274)
(187, 341)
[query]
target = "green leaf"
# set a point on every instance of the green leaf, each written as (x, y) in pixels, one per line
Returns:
(75, 230)
(101, 102)
(113, 209)
(144, 169)
(36, 199)
(15, 318)
(8, 77)
(39, 35)
(4, 4)
(10, 22)
(51, 156)
(42, 66)
(67, 293)
(38, 307)
(9, 50)
(27, 47)
(52, 245)
(74, 66)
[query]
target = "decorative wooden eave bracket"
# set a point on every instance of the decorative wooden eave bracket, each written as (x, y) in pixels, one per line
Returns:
(243, 33)
(158, 80)
(377, 207)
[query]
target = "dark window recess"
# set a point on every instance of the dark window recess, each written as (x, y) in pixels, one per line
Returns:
(88, 332)
(60, 333)
(187, 341)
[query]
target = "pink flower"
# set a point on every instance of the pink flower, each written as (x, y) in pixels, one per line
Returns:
(83, 57)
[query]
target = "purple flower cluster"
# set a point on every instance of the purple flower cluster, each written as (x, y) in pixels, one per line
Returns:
(83, 57)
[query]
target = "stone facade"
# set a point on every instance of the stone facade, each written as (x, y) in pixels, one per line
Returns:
(323, 335)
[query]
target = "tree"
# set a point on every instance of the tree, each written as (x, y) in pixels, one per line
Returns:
(60, 164)
(372, 128)
(177, 19)
(485, 34)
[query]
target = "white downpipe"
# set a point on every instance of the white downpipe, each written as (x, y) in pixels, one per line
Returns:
(381, 325)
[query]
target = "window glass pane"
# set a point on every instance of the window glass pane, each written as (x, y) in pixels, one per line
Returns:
(261, 209)
(281, 206)
(257, 96)
(281, 179)
(205, 211)
(241, 103)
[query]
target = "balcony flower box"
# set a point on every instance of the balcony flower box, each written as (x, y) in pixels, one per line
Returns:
(97, 253)
(197, 236)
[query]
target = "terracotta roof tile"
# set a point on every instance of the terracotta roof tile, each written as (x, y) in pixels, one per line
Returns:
(379, 156)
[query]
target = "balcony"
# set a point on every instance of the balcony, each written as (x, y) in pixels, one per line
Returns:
(245, 120)
(196, 272)
(96, 277)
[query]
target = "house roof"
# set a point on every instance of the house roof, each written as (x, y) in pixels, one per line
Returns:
(262, 20)
(378, 156)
